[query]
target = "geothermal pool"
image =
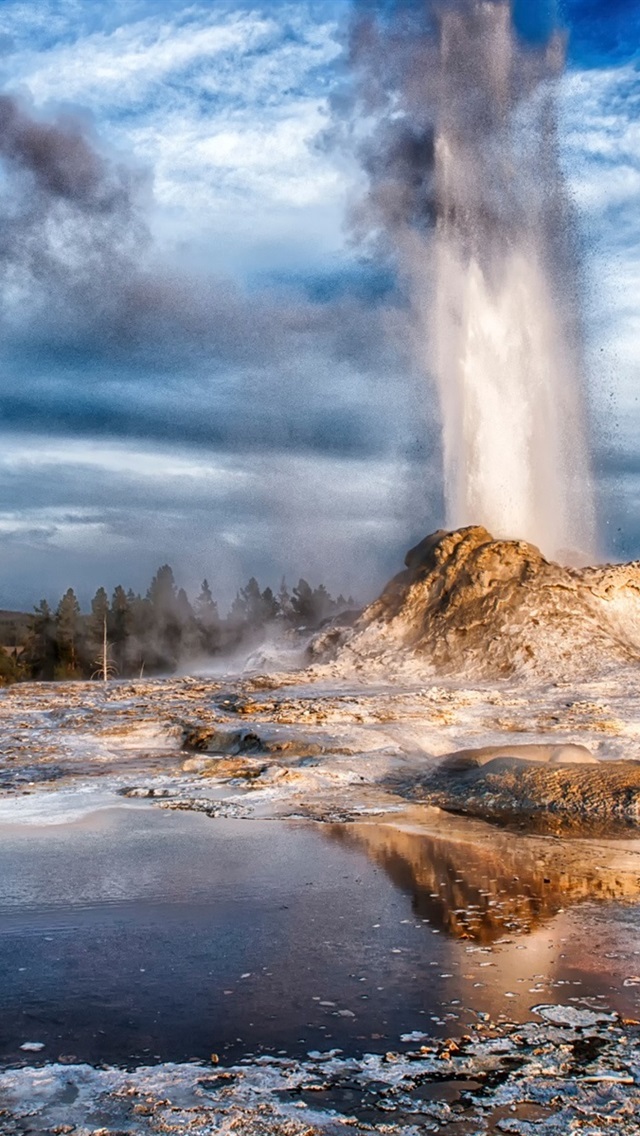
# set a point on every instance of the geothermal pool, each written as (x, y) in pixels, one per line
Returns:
(135, 935)
(307, 914)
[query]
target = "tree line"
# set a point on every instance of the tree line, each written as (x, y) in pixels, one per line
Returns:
(128, 634)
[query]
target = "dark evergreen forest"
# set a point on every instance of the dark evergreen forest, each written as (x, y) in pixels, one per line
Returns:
(129, 635)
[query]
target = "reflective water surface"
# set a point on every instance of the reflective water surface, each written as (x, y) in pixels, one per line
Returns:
(136, 933)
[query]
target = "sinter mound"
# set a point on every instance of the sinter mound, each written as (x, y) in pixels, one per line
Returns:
(473, 606)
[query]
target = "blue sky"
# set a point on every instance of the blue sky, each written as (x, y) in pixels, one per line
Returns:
(207, 373)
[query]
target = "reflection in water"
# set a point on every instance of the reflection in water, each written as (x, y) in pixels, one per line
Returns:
(482, 891)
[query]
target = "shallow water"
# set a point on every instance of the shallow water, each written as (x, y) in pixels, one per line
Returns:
(141, 934)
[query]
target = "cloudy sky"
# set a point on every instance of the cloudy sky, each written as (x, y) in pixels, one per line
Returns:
(199, 362)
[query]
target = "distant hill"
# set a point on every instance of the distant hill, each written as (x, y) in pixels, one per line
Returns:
(14, 628)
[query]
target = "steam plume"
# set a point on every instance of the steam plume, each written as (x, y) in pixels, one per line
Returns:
(79, 272)
(68, 213)
(465, 186)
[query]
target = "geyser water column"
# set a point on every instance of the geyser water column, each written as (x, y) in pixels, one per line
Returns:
(456, 121)
(506, 351)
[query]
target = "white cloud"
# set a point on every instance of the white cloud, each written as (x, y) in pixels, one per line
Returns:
(118, 69)
(600, 128)
(224, 107)
(217, 52)
(601, 135)
(29, 454)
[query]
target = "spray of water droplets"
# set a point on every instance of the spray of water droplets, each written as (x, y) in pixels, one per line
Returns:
(466, 188)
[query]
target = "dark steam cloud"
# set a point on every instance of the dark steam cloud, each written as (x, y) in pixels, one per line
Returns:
(70, 222)
(99, 336)
(61, 162)
(412, 76)
(388, 63)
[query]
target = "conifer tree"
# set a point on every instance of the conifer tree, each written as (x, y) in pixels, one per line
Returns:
(162, 590)
(68, 636)
(40, 650)
(98, 618)
(189, 645)
(120, 626)
(270, 607)
(323, 604)
(206, 608)
(284, 600)
(99, 608)
(206, 612)
(302, 602)
(163, 646)
(252, 600)
(141, 647)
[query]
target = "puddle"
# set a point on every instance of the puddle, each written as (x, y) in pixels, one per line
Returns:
(137, 935)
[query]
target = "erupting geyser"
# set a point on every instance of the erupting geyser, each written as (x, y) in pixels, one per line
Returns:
(506, 352)
(465, 181)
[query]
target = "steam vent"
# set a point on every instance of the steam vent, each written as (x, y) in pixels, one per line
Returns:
(470, 606)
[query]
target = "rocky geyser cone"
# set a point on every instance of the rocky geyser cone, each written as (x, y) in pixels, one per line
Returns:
(473, 606)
